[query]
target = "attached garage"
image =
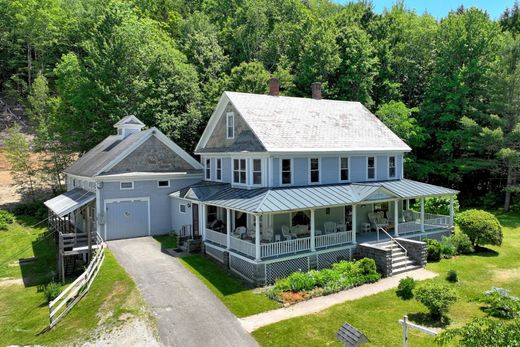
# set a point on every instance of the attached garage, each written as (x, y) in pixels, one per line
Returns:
(127, 218)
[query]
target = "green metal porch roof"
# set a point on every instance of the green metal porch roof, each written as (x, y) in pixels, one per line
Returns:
(280, 199)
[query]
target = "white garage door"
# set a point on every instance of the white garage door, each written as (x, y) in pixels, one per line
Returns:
(127, 218)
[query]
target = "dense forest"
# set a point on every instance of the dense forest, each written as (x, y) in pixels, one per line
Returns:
(450, 87)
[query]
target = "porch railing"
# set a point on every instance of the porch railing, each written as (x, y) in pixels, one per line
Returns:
(285, 247)
(431, 221)
(241, 246)
(216, 237)
(333, 239)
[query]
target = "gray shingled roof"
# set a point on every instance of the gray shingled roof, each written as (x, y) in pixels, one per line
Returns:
(284, 123)
(264, 200)
(69, 201)
(95, 160)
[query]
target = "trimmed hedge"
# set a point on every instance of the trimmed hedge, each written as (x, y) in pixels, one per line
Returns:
(342, 275)
(482, 227)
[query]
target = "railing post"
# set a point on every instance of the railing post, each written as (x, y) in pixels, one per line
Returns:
(452, 212)
(407, 204)
(228, 228)
(313, 231)
(354, 223)
(257, 238)
(396, 217)
(422, 215)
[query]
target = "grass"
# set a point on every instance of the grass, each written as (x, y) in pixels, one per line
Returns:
(167, 241)
(234, 293)
(377, 315)
(24, 314)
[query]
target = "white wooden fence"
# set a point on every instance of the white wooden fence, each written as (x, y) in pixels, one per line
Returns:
(60, 306)
(285, 247)
(333, 239)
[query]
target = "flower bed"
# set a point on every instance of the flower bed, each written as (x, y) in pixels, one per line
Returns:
(342, 275)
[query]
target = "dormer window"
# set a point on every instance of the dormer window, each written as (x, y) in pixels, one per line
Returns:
(391, 167)
(208, 169)
(371, 168)
(230, 125)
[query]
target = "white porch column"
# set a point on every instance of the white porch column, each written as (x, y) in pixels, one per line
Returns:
(313, 232)
(203, 221)
(257, 237)
(452, 212)
(422, 214)
(354, 223)
(228, 228)
(407, 204)
(396, 217)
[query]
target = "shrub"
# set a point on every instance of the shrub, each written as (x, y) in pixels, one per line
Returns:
(6, 218)
(282, 285)
(501, 304)
(327, 276)
(343, 267)
(31, 208)
(483, 332)
(405, 288)
(482, 227)
(447, 248)
(366, 266)
(436, 297)
(51, 291)
(434, 250)
(462, 243)
(452, 276)
(300, 281)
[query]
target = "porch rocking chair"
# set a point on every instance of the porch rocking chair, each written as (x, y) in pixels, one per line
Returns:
(286, 232)
(330, 227)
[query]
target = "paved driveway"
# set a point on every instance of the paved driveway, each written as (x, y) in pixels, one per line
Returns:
(187, 313)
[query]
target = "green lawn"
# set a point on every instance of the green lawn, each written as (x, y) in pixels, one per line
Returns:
(377, 315)
(167, 241)
(234, 293)
(24, 314)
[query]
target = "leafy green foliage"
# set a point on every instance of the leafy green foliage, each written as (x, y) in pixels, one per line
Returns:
(482, 227)
(433, 247)
(438, 205)
(462, 243)
(483, 332)
(51, 291)
(501, 304)
(31, 208)
(342, 275)
(436, 297)
(399, 119)
(6, 218)
(452, 276)
(405, 288)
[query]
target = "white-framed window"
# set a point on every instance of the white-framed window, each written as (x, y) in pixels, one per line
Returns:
(344, 169)
(257, 171)
(163, 184)
(126, 185)
(218, 169)
(208, 169)
(314, 170)
(391, 167)
(286, 171)
(230, 125)
(73, 182)
(239, 171)
(183, 208)
(371, 168)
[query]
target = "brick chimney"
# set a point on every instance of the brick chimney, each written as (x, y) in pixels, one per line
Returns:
(274, 87)
(316, 90)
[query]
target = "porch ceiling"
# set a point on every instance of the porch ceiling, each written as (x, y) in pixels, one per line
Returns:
(282, 199)
(69, 201)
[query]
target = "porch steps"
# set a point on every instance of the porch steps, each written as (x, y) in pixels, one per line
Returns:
(400, 261)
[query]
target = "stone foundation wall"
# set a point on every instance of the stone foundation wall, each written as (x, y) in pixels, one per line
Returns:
(382, 257)
(416, 250)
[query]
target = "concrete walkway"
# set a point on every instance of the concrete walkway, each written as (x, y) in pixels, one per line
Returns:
(187, 312)
(315, 305)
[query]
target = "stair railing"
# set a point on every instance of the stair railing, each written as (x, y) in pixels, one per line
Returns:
(394, 240)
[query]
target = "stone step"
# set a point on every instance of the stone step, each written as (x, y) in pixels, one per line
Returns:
(405, 269)
(403, 263)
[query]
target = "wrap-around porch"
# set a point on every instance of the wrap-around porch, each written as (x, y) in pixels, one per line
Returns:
(264, 236)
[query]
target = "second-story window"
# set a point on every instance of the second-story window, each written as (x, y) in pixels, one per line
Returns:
(230, 125)
(208, 169)
(343, 169)
(371, 168)
(239, 171)
(315, 170)
(391, 167)
(257, 171)
(218, 169)
(286, 171)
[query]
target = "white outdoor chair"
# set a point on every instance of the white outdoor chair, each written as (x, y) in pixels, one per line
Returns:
(286, 232)
(240, 231)
(251, 233)
(408, 216)
(377, 220)
(341, 228)
(330, 227)
(267, 235)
